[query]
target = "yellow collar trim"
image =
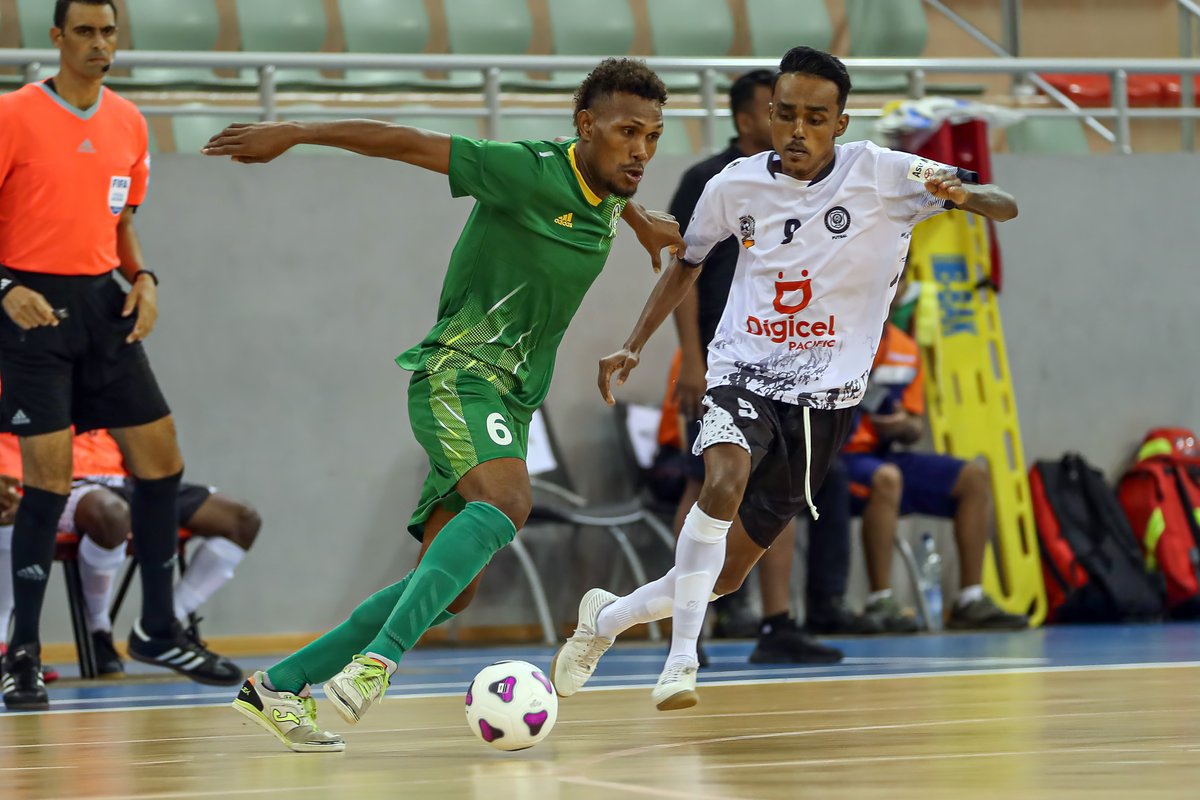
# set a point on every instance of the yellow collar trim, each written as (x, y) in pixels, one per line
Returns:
(587, 192)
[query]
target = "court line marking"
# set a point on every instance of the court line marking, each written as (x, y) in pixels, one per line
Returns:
(650, 678)
(646, 790)
(825, 762)
(614, 720)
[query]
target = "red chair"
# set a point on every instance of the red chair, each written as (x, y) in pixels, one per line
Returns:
(1095, 91)
(1173, 89)
(66, 550)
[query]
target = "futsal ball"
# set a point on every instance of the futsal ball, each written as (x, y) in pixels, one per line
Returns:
(511, 705)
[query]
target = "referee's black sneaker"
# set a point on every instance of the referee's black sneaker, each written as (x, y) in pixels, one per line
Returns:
(189, 657)
(24, 689)
(781, 641)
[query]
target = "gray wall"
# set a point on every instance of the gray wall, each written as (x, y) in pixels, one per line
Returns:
(288, 290)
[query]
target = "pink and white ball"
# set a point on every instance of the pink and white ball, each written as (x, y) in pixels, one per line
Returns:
(511, 705)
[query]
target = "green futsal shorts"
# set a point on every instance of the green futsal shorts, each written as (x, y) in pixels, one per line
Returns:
(461, 421)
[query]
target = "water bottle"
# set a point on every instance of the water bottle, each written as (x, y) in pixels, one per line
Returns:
(931, 581)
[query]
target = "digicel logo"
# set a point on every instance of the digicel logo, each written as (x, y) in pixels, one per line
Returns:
(797, 333)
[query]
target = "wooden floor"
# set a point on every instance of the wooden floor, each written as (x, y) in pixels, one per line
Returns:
(1119, 733)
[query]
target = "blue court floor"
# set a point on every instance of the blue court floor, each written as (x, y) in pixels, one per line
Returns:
(447, 671)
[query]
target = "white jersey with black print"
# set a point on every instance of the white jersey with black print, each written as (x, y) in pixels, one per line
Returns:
(818, 267)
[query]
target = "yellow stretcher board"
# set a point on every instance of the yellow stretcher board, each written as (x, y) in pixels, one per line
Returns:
(971, 407)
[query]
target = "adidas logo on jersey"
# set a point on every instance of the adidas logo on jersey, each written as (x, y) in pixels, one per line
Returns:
(86, 147)
(20, 418)
(566, 220)
(33, 572)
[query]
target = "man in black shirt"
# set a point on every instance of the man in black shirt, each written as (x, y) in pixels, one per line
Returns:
(696, 318)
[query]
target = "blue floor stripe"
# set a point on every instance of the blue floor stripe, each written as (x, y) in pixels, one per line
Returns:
(449, 670)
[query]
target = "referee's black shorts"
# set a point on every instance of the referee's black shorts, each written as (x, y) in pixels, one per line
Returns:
(80, 373)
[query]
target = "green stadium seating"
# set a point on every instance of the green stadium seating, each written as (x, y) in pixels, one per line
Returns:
(385, 26)
(1057, 136)
(283, 26)
(698, 28)
(777, 26)
(588, 28)
(171, 25)
(488, 27)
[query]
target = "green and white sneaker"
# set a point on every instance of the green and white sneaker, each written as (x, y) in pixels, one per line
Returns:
(292, 718)
(576, 660)
(361, 683)
(676, 688)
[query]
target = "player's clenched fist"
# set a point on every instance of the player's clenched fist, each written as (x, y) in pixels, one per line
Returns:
(622, 363)
(946, 185)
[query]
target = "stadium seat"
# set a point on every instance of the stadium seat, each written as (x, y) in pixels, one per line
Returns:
(584, 27)
(696, 28)
(429, 119)
(385, 26)
(283, 26)
(1095, 91)
(891, 29)
(35, 18)
(488, 27)
(191, 132)
(1058, 136)
(171, 25)
(776, 26)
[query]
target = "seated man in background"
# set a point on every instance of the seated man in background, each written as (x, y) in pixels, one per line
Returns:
(98, 511)
(886, 483)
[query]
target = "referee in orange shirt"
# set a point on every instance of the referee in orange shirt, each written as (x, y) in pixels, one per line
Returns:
(73, 169)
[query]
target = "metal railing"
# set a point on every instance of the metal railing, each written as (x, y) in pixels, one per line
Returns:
(711, 107)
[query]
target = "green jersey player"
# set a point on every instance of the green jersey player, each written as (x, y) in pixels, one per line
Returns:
(544, 219)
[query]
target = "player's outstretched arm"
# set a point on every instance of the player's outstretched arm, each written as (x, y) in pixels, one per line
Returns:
(656, 230)
(986, 200)
(671, 288)
(260, 142)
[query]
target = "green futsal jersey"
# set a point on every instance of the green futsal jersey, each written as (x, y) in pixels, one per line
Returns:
(534, 243)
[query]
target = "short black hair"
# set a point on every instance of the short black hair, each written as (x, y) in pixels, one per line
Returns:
(809, 61)
(619, 75)
(741, 94)
(61, 6)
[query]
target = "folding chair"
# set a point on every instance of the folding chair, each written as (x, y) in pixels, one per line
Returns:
(561, 504)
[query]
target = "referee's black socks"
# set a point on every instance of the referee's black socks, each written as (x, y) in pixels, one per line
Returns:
(34, 534)
(155, 518)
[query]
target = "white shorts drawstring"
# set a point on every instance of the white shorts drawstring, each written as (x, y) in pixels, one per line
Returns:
(812, 509)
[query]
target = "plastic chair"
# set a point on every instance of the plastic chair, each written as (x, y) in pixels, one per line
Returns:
(488, 27)
(891, 29)
(191, 132)
(699, 28)
(283, 26)
(583, 27)
(1058, 136)
(385, 26)
(35, 18)
(1095, 91)
(171, 25)
(777, 26)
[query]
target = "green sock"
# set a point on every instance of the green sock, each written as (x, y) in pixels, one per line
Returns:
(461, 550)
(323, 658)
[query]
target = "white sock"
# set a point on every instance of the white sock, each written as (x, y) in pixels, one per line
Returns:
(6, 586)
(210, 568)
(882, 594)
(644, 604)
(969, 594)
(98, 572)
(699, 556)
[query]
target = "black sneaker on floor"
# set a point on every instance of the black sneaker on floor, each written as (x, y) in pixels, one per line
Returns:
(108, 662)
(984, 615)
(785, 643)
(24, 689)
(831, 615)
(189, 658)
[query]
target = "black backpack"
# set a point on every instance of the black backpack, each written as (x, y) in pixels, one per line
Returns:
(1091, 562)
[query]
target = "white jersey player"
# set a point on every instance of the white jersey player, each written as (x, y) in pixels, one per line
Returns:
(824, 231)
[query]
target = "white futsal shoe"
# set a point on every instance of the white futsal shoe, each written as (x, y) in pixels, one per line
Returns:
(676, 688)
(576, 660)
